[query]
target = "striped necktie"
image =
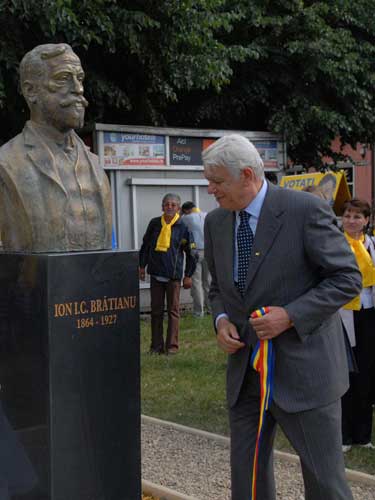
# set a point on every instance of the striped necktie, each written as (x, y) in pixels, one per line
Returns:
(245, 239)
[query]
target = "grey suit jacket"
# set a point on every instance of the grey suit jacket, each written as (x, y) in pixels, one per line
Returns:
(300, 261)
(33, 199)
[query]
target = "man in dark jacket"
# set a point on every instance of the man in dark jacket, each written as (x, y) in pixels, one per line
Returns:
(164, 242)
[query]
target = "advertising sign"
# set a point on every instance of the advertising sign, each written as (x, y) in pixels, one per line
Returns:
(185, 150)
(122, 149)
(122, 146)
(188, 151)
(268, 153)
(333, 186)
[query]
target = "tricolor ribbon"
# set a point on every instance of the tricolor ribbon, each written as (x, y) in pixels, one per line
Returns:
(262, 360)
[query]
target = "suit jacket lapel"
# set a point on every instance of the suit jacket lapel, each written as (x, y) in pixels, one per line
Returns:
(41, 156)
(97, 172)
(269, 224)
(98, 175)
(226, 251)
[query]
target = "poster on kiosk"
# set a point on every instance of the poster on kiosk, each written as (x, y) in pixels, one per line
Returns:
(333, 186)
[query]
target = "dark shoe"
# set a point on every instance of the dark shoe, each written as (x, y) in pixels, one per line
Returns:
(155, 351)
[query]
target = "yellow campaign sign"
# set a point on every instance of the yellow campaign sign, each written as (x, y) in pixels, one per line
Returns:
(332, 185)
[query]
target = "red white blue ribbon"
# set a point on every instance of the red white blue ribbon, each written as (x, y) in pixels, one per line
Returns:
(262, 360)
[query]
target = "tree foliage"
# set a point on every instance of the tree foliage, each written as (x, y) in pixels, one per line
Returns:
(138, 55)
(304, 69)
(310, 76)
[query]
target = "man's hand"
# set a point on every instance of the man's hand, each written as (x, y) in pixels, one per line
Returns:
(227, 336)
(275, 322)
(142, 273)
(187, 282)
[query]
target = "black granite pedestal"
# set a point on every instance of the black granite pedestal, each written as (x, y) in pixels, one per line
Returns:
(69, 370)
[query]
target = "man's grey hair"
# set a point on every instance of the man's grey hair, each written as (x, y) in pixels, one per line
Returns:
(171, 196)
(32, 66)
(234, 152)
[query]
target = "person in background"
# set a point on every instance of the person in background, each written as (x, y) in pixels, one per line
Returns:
(166, 240)
(193, 217)
(359, 319)
(278, 248)
(312, 170)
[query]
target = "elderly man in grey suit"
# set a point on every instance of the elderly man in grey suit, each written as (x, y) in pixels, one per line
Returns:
(300, 266)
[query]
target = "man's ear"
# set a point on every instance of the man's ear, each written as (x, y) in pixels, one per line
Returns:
(30, 91)
(248, 174)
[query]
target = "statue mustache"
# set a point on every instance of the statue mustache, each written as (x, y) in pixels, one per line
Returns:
(72, 101)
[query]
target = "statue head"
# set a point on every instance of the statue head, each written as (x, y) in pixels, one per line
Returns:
(51, 78)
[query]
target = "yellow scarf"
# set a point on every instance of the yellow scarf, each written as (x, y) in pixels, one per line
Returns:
(366, 266)
(195, 210)
(164, 238)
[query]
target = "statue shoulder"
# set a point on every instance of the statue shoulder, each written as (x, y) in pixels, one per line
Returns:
(11, 150)
(12, 144)
(13, 162)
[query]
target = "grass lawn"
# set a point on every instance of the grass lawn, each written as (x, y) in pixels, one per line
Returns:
(189, 388)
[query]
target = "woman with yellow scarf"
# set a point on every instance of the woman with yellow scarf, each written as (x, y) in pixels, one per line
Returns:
(165, 243)
(359, 320)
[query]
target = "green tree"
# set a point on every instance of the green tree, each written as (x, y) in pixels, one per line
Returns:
(303, 69)
(309, 75)
(138, 55)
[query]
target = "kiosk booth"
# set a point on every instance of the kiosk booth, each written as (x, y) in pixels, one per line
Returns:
(145, 163)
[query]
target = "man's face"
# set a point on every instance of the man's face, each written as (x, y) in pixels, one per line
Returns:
(328, 189)
(228, 189)
(60, 100)
(170, 207)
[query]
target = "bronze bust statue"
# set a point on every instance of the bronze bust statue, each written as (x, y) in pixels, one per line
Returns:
(54, 196)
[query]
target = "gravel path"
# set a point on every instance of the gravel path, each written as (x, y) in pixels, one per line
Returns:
(199, 466)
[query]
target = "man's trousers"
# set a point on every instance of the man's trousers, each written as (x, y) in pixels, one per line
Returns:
(314, 434)
(357, 402)
(201, 280)
(160, 290)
